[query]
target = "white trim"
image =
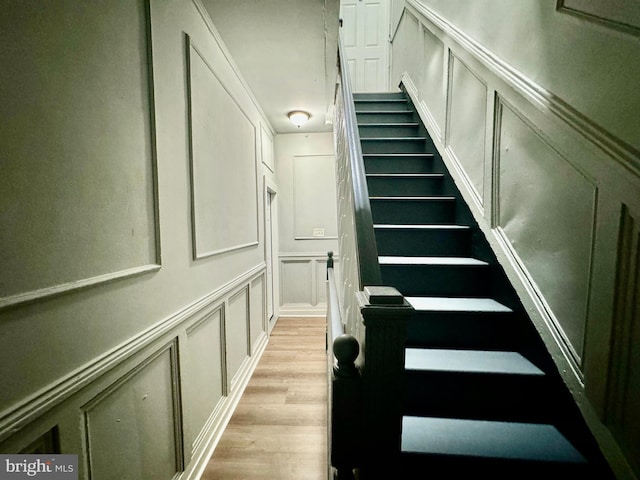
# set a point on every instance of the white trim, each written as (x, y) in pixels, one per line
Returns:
(286, 255)
(215, 426)
(315, 238)
(304, 313)
(178, 421)
(74, 286)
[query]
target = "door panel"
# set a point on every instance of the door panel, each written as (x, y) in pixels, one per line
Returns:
(365, 36)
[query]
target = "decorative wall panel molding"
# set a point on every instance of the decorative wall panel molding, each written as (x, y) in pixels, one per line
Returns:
(434, 81)
(467, 106)
(206, 18)
(314, 197)
(266, 145)
(623, 403)
(79, 197)
(296, 278)
(237, 341)
(258, 311)
(543, 99)
(554, 244)
(224, 200)
(407, 33)
(142, 405)
(147, 377)
(19, 416)
(206, 380)
(302, 284)
(622, 15)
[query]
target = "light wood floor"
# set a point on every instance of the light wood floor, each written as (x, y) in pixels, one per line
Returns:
(279, 429)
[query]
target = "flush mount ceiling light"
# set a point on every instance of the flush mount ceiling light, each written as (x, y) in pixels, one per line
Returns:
(298, 117)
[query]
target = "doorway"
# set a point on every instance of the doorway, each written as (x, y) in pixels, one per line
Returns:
(270, 241)
(365, 37)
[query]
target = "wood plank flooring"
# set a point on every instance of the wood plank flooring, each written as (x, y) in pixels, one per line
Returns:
(279, 429)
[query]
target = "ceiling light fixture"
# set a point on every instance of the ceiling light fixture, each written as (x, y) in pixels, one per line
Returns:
(298, 117)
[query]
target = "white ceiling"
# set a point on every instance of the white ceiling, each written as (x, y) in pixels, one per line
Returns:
(286, 51)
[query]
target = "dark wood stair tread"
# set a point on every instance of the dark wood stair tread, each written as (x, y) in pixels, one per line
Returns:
(425, 198)
(456, 304)
(389, 226)
(393, 139)
(450, 261)
(469, 361)
(390, 124)
(405, 175)
(488, 439)
(400, 154)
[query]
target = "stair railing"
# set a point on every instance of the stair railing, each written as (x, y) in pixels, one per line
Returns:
(373, 317)
(357, 245)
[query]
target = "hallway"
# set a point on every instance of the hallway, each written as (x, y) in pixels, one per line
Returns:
(279, 427)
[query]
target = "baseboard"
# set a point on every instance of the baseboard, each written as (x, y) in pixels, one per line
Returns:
(220, 418)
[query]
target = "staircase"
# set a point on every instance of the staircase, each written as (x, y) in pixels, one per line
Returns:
(482, 395)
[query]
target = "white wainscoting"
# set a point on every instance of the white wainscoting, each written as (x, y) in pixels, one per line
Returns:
(546, 210)
(158, 403)
(434, 80)
(122, 420)
(205, 383)
(302, 284)
(555, 194)
(466, 132)
(622, 412)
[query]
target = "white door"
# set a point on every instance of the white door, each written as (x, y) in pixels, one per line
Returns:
(365, 37)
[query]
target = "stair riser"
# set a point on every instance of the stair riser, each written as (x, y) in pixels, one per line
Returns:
(386, 131)
(379, 96)
(491, 331)
(413, 212)
(396, 146)
(382, 106)
(384, 117)
(438, 281)
(430, 242)
(519, 398)
(398, 164)
(398, 187)
(458, 467)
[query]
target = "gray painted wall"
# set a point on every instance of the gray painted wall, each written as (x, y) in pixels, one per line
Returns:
(307, 206)
(118, 332)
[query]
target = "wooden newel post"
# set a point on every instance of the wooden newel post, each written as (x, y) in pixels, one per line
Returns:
(347, 415)
(385, 313)
(329, 261)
